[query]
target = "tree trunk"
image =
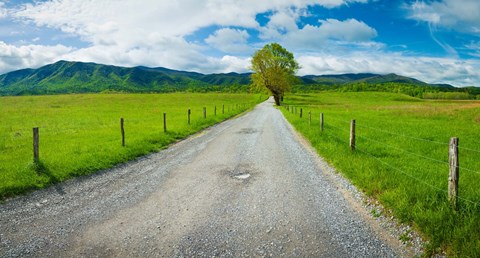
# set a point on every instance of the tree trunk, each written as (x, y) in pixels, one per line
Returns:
(277, 99)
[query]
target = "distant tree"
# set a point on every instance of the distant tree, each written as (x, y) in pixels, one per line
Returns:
(274, 69)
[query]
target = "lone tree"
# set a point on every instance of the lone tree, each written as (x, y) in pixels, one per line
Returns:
(274, 69)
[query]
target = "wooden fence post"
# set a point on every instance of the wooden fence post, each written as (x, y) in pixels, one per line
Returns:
(36, 145)
(454, 172)
(301, 111)
(189, 112)
(123, 132)
(309, 118)
(165, 122)
(215, 110)
(321, 122)
(223, 109)
(352, 135)
(204, 112)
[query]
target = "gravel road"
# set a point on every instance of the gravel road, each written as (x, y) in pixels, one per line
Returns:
(245, 187)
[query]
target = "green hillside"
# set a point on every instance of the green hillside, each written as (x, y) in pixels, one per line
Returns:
(77, 77)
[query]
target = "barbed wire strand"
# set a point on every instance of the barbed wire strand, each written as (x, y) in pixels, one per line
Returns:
(470, 170)
(402, 135)
(418, 155)
(405, 151)
(343, 141)
(335, 119)
(338, 128)
(415, 138)
(465, 148)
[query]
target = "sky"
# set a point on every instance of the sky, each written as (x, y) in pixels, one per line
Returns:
(433, 41)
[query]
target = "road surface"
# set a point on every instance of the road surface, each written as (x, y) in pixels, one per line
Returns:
(245, 187)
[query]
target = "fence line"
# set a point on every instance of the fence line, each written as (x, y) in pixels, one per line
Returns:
(401, 135)
(406, 151)
(35, 137)
(362, 150)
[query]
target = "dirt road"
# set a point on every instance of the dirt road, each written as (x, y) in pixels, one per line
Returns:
(246, 187)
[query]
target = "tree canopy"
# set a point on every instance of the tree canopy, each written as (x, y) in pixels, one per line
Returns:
(274, 69)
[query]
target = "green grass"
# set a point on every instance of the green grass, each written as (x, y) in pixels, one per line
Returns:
(402, 158)
(80, 134)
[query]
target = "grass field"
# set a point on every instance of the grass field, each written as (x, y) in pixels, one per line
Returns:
(80, 134)
(402, 157)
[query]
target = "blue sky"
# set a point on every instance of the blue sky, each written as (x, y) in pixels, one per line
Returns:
(434, 41)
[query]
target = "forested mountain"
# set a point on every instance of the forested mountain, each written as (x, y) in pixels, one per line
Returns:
(78, 77)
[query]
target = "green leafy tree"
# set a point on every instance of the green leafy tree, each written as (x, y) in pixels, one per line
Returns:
(274, 69)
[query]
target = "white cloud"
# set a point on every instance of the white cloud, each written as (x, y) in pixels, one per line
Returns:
(235, 64)
(3, 11)
(474, 47)
(431, 70)
(229, 40)
(461, 15)
(349, 30)
(13, 57)
(282, 27)
(280, 23)
(153, 32)
(93, 19)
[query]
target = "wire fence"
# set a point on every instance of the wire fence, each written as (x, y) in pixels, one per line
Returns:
(340, 126)
(223, 109)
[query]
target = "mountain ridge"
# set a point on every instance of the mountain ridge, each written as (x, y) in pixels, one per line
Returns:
(83, 77)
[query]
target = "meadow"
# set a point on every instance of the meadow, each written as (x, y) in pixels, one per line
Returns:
(80, 134)
(401, 158)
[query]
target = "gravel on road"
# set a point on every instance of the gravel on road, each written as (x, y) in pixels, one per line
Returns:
(246, 187)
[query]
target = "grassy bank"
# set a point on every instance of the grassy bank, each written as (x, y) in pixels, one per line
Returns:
(402, 157)
(80, 134)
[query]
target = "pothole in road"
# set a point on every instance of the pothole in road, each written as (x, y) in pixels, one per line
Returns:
(241, 172)
(242, 176)
(247, 131)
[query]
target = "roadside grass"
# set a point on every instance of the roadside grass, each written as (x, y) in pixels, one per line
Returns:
(402, 157)
(80, 134)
